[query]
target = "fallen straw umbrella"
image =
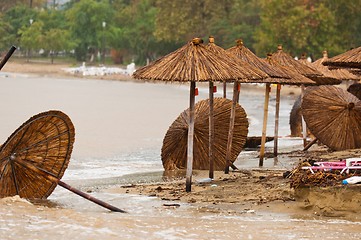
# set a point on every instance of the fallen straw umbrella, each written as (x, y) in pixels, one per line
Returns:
(34, 158)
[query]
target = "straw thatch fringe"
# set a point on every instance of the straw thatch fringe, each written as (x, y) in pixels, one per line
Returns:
(296, 78)
(341, 74)
(349, 59)
(333, 115)
(174, 150)
(45, 141)
(194, 62)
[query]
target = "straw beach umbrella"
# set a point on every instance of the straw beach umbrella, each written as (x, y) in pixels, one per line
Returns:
(333, 115)
(340, 74)
(174, 150)
(35, 157)
(275, 75)
(349, 59)
(195, 63)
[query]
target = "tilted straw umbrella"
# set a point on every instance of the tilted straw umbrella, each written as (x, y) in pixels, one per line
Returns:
(174, 149)
(194, 63)
(274, 76)
(34, 158)
(338, 74)
(333, 115)
(349, 59)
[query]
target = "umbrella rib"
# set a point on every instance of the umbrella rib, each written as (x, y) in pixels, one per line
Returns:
(14, 176)
(2, 174)
(43, 141)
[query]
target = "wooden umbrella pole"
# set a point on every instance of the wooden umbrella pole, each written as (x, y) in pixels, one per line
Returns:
(310, 144)
(231, 127)
(52, 178)
(190, 138)
(90, 198)
(277, 116)
(211, 132)
(7, 56)
(224, 89)
(264, 129)
(304, 127)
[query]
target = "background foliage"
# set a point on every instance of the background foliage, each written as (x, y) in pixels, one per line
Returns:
(143, 30)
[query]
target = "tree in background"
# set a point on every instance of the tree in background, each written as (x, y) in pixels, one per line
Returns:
(85, 23)
(300, 26)
(31, 37)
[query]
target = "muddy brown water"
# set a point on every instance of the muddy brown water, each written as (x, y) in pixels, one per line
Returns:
(119, 131)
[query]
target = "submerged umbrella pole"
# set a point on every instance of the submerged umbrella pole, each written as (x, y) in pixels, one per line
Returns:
(211, 131)
(277, 116)
(304, 127)
(231, 126)
(264, 129)
(54, 179)
(190, 137)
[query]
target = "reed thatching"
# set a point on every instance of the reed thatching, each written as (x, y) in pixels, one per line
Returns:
(174, 150)
(355, 89)
(246, 55)
(255, 141)
(338, 73)
(296, 78)
(287, 60)
(333, 115)
(349, 59)
(45, 141)
(327, 78)
(194, 62)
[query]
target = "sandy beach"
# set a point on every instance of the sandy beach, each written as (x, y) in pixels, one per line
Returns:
(158, 205)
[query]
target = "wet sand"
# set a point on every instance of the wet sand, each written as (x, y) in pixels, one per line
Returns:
(253, 203)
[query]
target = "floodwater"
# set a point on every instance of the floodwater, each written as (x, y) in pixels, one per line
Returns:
(119, 131)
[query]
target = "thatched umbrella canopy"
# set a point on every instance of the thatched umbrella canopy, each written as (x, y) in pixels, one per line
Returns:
(243, 53)
(288, 61)
(34, 158)
(195, 63)
(333, 116)
(174, 150)
(327, 78)
(341, 74)
(44, 141)
(349, 59)
(355, 89)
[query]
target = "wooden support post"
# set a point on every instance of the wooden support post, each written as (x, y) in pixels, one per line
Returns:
(304, 127)
(190, 138)
(277, 116)
(211, 132)
(264, 129)
(231, 126)
(224, 89)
